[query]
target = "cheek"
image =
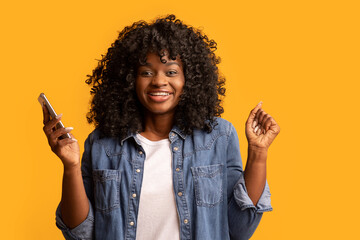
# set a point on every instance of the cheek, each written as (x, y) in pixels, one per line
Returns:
(182, 88)
(179, 86)
(138, 89)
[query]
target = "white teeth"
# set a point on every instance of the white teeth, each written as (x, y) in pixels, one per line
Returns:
(159, 93)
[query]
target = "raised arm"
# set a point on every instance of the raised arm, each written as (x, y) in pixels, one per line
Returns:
(261, 130)
(243, 215)
(248, 191)
(74, 206)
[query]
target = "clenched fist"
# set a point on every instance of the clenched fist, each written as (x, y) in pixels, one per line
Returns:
(260, 129)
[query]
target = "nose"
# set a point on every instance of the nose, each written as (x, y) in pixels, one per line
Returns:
(159, 80)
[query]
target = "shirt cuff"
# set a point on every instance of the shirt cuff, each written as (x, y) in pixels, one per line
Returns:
(83, 231)
(243, 200)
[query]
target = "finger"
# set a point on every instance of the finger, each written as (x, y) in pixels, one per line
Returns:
(274, 126)
(255, 129)
(54, 138)
(59, 132)
(50, 126)
(267, 124)
(253, 114)
(256, 119)
(258, 131)
(66, 141)
(72, 136)
(257, 115)
(262, 118)
(46, 115)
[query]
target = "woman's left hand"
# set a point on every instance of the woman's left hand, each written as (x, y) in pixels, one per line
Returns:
(261, 129)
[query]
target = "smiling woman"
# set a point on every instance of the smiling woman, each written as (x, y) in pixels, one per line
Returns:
(170, 41)
(161, 163)
(159, 85)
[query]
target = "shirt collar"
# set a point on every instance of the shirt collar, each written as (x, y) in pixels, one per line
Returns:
(174, 130)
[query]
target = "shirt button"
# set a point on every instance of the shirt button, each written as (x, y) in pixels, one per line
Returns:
(176, 148)
(177, 169)
(179, 194)
(173, 134)
(132, 223)
(137, 170)
(134, 195)
(140, 152)
(186, 221)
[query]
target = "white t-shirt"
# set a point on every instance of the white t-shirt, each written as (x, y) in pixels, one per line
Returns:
(158, 218)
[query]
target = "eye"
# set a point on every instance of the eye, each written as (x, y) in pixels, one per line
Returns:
(145, 73)
(171, 72)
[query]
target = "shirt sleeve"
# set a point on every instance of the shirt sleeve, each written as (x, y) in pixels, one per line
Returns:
(81, 232)
(85, 230)
(243, 215)
(243, 200)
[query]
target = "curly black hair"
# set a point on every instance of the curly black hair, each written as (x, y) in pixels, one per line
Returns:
(115, 108)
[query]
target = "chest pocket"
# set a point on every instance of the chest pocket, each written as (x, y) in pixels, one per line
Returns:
(106, 189)
(208, 183)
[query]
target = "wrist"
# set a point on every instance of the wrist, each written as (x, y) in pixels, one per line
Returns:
(255, 148)
(69, 169)
(257, 154)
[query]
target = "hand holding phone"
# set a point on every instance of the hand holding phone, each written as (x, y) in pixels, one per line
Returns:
(61, 141)
(44, 101)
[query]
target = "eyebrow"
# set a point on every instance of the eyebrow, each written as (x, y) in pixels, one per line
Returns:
(166, 64)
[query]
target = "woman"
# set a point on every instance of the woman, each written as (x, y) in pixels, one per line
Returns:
(160, 163)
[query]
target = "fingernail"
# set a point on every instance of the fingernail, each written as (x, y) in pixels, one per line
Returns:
(69, 128)
(256, 129)
(74, 139)
(260, 103)
(254, 123)
(59, 116)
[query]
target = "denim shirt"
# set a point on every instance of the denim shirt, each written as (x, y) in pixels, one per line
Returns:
(211, 197)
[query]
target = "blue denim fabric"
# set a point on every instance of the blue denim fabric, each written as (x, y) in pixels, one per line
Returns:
(207, 169)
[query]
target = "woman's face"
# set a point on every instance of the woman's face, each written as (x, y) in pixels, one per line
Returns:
(159, 85)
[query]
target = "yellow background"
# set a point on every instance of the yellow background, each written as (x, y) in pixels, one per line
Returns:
(301, 58)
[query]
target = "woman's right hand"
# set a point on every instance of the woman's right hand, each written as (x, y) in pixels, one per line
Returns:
(67, 149)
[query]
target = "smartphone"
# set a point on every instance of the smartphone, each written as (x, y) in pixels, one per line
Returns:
(43, 100)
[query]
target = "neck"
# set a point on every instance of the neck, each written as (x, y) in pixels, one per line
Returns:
(157, 127)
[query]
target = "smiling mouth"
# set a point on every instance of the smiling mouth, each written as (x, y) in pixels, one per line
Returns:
(159, 94)
(159, 97)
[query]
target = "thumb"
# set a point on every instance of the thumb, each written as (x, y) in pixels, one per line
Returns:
(72, 136)
(250, 122)
(253, 113)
